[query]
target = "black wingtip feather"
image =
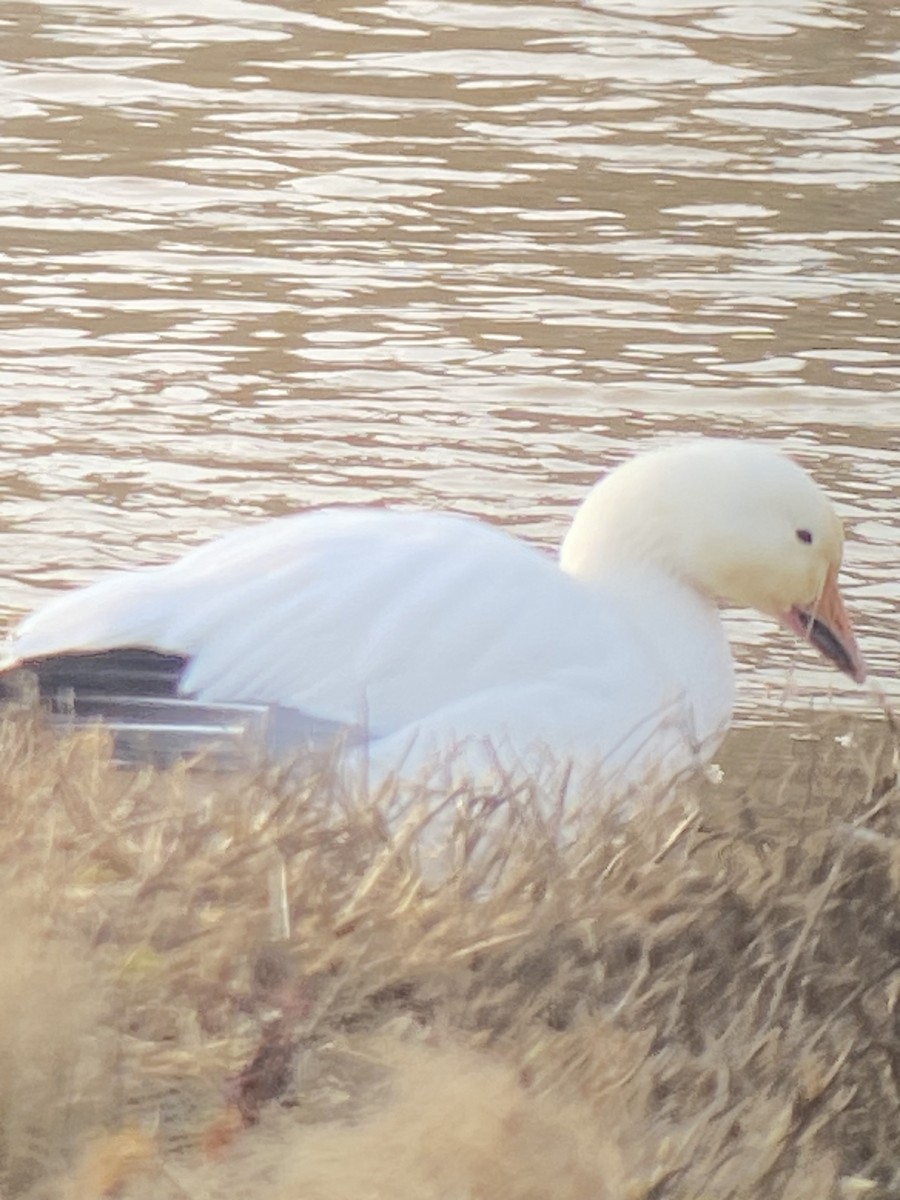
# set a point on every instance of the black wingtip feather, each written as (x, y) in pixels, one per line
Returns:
(122, 671)
(134, 693)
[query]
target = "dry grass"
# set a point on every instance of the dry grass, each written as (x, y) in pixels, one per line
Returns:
(238, 987)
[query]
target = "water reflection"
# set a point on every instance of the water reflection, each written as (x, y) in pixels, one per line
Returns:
(258, 256)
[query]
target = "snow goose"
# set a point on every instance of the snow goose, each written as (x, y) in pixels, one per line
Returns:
(431, 631)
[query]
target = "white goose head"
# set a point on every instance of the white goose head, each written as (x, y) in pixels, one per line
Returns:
(735, 520)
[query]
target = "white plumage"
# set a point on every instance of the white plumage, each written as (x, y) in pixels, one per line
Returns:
(437, 632)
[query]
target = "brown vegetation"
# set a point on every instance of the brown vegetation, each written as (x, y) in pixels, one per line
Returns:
(231, 986)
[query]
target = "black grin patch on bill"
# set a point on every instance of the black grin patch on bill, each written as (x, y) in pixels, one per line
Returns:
(826, 641)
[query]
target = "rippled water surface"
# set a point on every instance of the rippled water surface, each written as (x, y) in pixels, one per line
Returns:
(256, 256)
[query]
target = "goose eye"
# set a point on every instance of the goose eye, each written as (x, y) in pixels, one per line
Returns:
(804, 536)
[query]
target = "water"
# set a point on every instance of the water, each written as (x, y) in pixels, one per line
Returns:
(258, 256)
